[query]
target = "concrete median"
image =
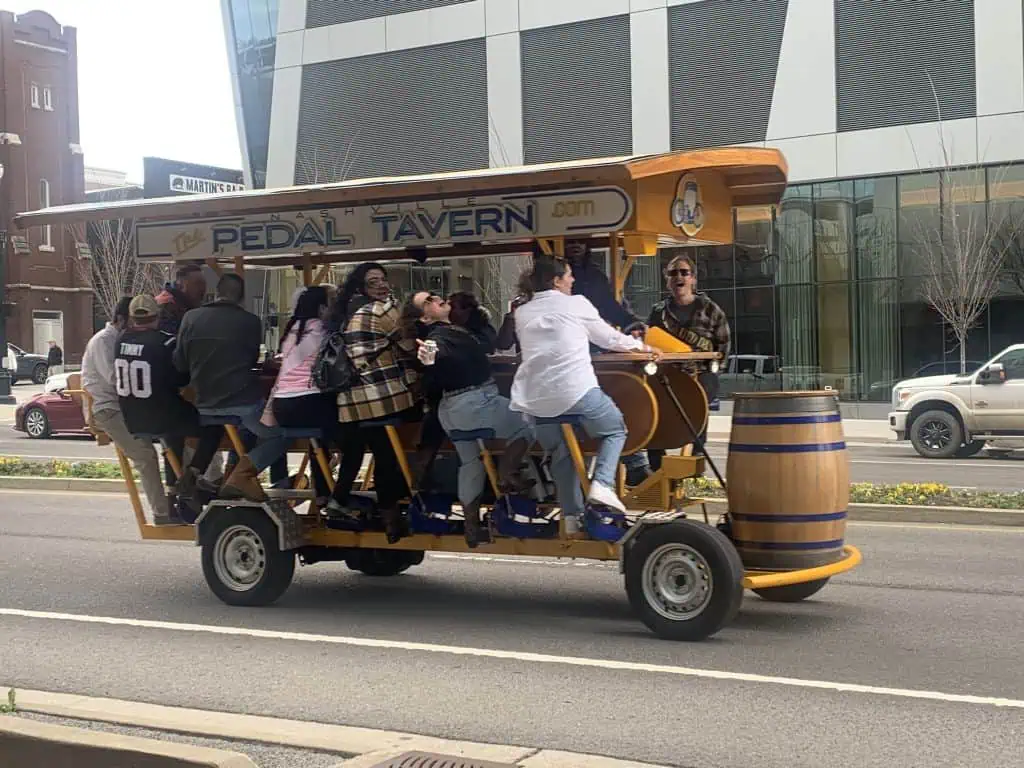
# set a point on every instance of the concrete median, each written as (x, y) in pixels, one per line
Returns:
(28, 743)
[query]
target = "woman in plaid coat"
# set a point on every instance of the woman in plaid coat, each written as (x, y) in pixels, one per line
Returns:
(369, 314)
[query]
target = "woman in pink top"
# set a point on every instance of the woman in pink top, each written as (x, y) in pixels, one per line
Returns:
(297, 403)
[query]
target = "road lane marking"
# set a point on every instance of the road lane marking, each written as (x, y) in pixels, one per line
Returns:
(523, 656)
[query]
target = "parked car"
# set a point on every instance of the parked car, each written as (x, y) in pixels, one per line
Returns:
(50, 413)
(958, 415)
(28, 367)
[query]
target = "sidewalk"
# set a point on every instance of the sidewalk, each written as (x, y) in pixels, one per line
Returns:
(363, 747)
(874, 430)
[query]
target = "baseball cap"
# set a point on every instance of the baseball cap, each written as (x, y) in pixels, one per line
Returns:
(143, 306)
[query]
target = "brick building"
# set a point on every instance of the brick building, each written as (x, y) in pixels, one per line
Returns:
(48, 295)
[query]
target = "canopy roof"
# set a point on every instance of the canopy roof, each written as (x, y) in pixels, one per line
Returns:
(621, 194)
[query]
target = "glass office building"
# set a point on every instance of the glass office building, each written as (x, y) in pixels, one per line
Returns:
(821, 290)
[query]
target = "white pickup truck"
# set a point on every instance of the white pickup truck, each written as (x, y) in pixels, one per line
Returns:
(956, 416)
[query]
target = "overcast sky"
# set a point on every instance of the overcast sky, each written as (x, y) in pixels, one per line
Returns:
(153, 79)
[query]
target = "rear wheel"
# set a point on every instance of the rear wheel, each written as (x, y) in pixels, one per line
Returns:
(36, 424)
(39, 374)
(383, 562)
(937, 434)
(242, 561)
(791, 593)
(684, 579)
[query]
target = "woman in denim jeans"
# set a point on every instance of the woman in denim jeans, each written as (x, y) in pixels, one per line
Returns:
(556, 378)
(470, 401)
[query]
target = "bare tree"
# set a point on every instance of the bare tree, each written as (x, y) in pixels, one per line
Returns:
(323, 167)
(105, 257)
(962, 251)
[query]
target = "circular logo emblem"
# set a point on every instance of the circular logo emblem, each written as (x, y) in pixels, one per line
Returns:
(688, 206)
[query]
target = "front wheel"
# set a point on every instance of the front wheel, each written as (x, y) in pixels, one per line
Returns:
(936, 434)
(383, 562)
(791, 593)
(684, 579)
(242, 561)
(39, 374)
(36, 424)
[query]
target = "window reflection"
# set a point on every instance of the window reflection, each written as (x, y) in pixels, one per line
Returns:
(824, 290)
(254, 29)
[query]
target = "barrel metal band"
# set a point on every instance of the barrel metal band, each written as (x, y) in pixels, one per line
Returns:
(756, 518)
(793, 545)
(783, 448)
(766, 421)
(768, 406)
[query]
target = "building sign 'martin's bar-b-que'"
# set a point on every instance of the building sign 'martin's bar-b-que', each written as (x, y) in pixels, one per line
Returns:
(391, 225)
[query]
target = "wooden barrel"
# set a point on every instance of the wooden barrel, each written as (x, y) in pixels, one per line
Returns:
(789, 479)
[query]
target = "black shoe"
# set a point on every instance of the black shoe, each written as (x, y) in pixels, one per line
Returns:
(636, 475)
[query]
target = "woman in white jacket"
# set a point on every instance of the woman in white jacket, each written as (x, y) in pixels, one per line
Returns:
(556, 378)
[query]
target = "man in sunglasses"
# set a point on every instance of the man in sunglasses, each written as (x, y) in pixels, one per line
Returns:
(694, 319)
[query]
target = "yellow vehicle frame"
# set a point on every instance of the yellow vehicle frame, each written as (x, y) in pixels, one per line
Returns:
(656, 213)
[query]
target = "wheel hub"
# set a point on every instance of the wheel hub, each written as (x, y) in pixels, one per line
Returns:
(239, 558)
(936, 435)
(677, 582)
(34, 423)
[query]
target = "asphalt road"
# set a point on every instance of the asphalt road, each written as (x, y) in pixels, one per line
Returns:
(869, 462)
(538, 653)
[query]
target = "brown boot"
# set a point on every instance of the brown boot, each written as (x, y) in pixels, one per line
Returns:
(510, 476)
(244, 483)
(395, 526)
(476, 532)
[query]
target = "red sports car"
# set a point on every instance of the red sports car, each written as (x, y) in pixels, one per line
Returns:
(50, 413)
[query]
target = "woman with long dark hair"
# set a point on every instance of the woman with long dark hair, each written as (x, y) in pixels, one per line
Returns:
(295, 400)
(460, 370)
(368, 316)
(556, 378)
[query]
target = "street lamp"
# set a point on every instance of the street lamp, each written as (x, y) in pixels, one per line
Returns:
(5, 375)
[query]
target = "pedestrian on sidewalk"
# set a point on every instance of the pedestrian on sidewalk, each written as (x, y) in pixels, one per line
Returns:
(54, 359)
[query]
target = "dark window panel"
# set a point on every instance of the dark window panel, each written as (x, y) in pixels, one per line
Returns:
(577, 88)
(367, 116)
(723, 58)
(895, 59)
(322, 13)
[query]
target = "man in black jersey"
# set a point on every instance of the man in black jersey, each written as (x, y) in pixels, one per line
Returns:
(148, 388)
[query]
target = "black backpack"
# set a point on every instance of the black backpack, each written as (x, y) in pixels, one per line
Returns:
(333, 370)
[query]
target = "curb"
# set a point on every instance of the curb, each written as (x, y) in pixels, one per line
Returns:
(77, 484)
(366, 745)
(895, 513)
(31, 740)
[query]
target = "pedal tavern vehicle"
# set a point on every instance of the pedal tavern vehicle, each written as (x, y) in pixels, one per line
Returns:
(788, 485)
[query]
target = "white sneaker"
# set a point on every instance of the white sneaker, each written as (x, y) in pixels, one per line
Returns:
(602, 494)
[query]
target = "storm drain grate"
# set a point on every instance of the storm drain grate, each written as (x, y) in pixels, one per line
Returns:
(437, 760)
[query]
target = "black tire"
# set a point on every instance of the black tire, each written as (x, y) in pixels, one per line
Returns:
(37, 426)
(791, 593)
(252, 535)
(937, 434)
(970, 449)
(695, 547)
(39, 374)
(383, 562)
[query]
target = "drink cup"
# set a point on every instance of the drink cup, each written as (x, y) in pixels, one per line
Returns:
(428, 352)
